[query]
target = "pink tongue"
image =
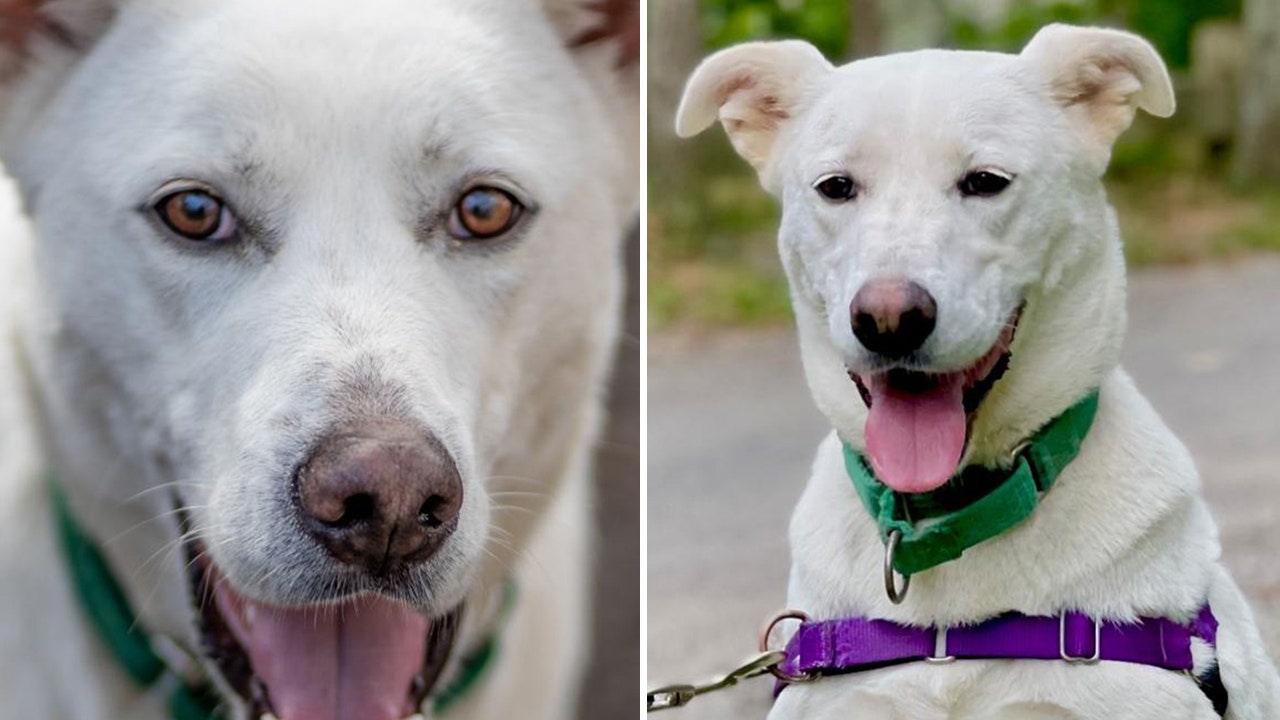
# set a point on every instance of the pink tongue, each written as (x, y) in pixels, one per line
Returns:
(353, 661)
(915, 440)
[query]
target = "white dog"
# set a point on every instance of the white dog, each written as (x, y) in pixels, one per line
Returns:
(304, 352)
(933, 203)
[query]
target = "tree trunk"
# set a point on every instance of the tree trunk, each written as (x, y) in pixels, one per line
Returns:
(675, 47)
(866, 29)
(1258, 145)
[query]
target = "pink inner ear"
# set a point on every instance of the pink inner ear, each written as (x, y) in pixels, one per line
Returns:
(18, 19)
(619, 21)
(21, 19)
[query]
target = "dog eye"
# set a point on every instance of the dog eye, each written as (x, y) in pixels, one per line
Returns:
(837, 187)
(195, 215)
(983, 183)
(483, 213)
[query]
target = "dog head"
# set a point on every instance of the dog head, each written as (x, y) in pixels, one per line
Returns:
(933, 203)
(319, 279)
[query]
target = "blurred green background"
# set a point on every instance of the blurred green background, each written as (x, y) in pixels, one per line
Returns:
(1202, 185)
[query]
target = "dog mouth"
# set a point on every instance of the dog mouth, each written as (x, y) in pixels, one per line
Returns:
(918, 422)
(366, 656)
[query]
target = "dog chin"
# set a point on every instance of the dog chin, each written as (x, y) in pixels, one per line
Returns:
(918, 420)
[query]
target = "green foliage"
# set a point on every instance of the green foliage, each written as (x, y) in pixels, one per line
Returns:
(1168, 24)
(825, 23)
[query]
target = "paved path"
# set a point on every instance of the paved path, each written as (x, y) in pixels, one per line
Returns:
(732, 431)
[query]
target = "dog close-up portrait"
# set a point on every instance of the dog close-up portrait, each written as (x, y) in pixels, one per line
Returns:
(307, 316)
(998, 523)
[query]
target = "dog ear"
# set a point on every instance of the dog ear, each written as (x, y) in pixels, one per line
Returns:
(28, 28)
(600, 23)
(753, 89)
(1100, 77)
(604, 39)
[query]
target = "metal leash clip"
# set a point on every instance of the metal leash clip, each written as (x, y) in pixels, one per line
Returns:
(673, 696)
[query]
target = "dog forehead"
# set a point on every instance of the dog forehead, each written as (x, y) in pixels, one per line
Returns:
(960, 103)
(379, 51)
(289, 83)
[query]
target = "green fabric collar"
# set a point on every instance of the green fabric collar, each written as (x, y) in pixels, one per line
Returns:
(978, 503)
(107, 608)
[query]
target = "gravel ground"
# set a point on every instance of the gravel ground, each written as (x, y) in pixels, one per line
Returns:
(732, 432)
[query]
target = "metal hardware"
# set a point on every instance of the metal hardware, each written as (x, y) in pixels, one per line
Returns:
(896, 595)
(1018, 449)
(1062, 642)
(763, 646)
(672, 696)
(940, 656)
(766, 662)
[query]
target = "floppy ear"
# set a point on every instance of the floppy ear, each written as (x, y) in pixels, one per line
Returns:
(28, 26)
(753, 89)
(39, 42)
(1101, 77)
(604, 37)
(614, 24)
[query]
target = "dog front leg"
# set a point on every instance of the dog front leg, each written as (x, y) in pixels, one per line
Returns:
(1253, 687)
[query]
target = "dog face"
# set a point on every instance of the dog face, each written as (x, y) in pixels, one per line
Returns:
(928, 199)
(310, 265)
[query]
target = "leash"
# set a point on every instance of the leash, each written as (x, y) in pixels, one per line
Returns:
(192, 696)
(923, 530)
(766, 662)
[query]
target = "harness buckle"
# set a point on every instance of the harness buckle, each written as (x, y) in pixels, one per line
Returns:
(1062, 641)
(940, 656)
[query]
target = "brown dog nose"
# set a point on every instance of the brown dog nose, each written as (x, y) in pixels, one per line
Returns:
(381, 494)
(893, 317)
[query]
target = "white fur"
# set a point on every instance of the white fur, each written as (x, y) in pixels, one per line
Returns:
(1125, 532)
(150, 369)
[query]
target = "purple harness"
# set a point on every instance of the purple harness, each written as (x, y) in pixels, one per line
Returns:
(848, 645)
(832, 647)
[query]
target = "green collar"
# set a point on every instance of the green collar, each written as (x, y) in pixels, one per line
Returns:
(107, 608)
(978, 503)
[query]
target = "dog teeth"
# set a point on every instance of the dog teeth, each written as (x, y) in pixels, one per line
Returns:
(250, 615)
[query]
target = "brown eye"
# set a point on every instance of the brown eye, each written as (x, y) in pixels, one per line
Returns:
(195, 215)
(483, 213)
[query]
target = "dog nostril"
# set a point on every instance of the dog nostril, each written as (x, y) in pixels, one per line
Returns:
(358, 508)
(429, 513)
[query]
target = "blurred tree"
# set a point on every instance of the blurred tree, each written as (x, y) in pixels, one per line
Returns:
(866, 31)
(1259, 135)
(824, 23)
(675, 46)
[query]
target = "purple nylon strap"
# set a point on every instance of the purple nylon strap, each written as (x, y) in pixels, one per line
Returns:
(834, 647)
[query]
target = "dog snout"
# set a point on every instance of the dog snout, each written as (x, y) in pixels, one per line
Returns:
(893, 317)
(380, 494)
